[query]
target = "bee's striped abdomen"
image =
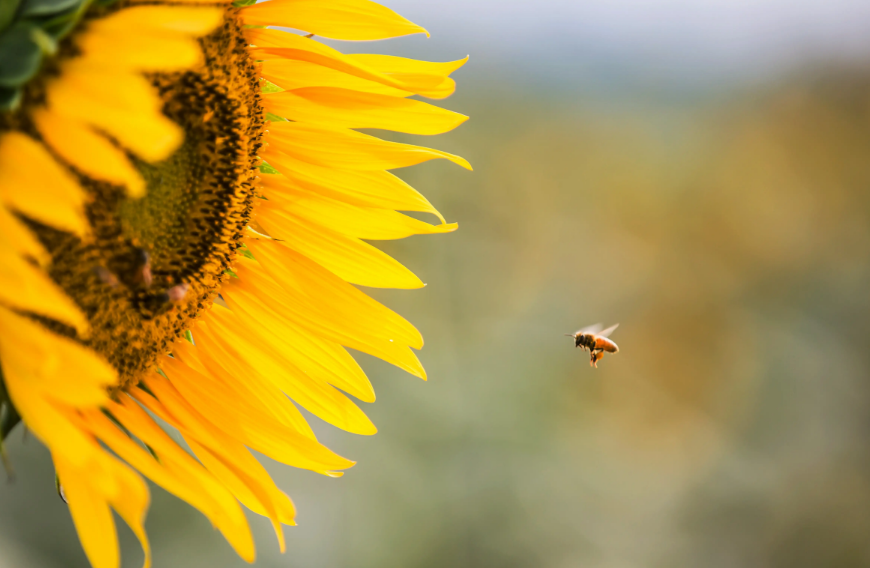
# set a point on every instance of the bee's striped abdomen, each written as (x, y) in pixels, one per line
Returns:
(605, 344)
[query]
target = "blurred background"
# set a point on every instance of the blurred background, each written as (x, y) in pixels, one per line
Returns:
(698, 172)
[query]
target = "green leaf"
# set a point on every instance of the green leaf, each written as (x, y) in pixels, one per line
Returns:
(20, 55)
(9, 98)
(39, 8)
(7, 12)
(243, 3)
(63, 23)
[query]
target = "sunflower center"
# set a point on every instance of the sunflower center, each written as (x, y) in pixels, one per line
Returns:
(161, 218)
(152, 264)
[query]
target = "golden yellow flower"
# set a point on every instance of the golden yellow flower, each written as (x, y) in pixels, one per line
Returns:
(184, 201)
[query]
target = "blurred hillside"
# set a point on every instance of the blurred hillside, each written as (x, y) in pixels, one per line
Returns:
(728, 233)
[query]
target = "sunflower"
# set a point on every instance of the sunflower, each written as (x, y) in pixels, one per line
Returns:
(186, 202)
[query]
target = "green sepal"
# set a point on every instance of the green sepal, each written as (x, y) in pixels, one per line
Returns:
(246, 252)
(143, 387)
(46, 43)
(267, 169)
(59, 488)
(9, 419)
(20, 55)
(269, 87)
(9, 98)
(243, 3)
(61, 24)
(8, 9)
(41, 8)
(151, 451)
(130, 435)
(275, 117)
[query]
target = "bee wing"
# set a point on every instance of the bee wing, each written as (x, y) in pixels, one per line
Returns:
(589, 329)
(608, 331)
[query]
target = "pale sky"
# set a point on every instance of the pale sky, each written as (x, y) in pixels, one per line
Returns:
(713, 20)
(727, 32)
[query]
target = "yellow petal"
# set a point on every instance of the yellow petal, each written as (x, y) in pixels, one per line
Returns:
(91, 515)
(429, 79)
(326, 305)
(298, 73)
(125, 491)
(219, 505)
(49, 424)
(367, 188)
(123, 50)
(244, 488)
(88, 151)
(33, 183)
(345, 108)
(32, 354)
(404, 76)
(17, 240)
(241, 418)
(341, 148)
(276, 44)
(130, 91)
(146, 132)
(398, 67)
(132, 453)
(271, 358)
(261, 398)
(337, 19)
(347, 257)
(306, 281)
(312, 354)
(26, 287)
(191, 21)
(360, 222)
(131, 503)
(244, 468)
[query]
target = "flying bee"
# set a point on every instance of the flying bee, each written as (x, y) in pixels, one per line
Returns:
(596, 341)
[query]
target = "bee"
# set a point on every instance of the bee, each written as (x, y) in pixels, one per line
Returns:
(596, 341)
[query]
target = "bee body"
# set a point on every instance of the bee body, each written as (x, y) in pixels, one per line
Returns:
(594, 342)
(597, 343)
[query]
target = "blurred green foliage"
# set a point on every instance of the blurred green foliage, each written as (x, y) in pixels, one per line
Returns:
(730, 237)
